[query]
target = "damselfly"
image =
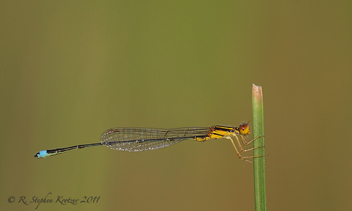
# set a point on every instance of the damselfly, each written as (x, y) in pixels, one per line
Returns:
(144, 139)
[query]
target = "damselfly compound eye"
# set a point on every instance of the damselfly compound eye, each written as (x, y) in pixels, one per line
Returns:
(244, 129)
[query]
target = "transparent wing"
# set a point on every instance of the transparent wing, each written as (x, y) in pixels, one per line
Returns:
(143, 139)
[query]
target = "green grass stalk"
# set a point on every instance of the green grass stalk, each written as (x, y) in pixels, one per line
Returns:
(258, 162)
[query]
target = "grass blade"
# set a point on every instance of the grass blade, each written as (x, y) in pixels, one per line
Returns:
(259, 162)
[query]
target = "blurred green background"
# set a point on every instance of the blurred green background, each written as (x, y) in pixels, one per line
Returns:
(71, 69)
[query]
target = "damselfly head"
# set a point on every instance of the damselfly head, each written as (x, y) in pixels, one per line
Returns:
(243, 129)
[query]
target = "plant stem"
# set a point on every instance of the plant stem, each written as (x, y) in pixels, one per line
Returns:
(258, 162)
